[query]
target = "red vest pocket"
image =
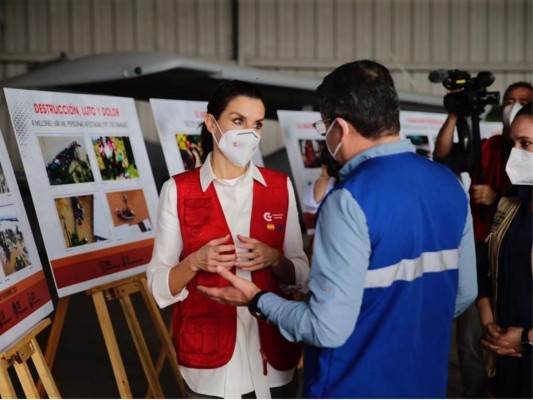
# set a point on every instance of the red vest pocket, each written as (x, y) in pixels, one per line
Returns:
(197, 211)
(200, 343)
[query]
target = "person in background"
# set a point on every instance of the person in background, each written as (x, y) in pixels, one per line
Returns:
(393, 260)
(232, 214)
(505, 280)
(317, 190)
(484, 194)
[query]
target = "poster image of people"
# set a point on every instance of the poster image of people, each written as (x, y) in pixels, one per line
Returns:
(77, 215)
(422, 145)
(66, 160)
(115, 157)
(4, 188)
(13, 253)
(130, 213)
(310, 150)
(190, 148)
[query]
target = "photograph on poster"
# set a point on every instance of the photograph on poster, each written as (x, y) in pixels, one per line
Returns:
(66, 160)
(190, 147)
(77, 216)
(115, 157)
(310, 150)
(13, 253)
(130, 213)
(4, 188)
(422, 145)
(75, 220)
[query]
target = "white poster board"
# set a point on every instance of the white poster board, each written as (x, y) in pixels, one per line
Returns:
(178, 125)
(91, 184)
(303, 145)
(24, 294)
(488, 129)
(422, 129)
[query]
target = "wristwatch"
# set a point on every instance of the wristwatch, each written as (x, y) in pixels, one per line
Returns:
(254, 309)
(527, 344)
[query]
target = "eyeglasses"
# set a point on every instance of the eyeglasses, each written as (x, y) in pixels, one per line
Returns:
(321, 127)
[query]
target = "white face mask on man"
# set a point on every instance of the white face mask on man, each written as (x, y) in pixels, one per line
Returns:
(238, 145)
(334, 152)
(519, 167)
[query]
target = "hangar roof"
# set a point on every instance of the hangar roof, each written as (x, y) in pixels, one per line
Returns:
(144, 75)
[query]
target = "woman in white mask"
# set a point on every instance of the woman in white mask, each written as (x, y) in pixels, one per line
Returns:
(485, 191)
(229, 213)
(505, 280)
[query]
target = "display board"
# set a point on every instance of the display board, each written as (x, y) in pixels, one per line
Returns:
(24, 295)
(303, 145)
(178, 125)
(91, 184)
(488, 129)
(422, 129)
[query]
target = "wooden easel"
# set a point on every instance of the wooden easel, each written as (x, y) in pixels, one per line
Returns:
(17, 355)
(121, 291)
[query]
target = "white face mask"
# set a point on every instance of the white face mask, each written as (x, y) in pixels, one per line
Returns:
(238, 145)
(334, 152)
(509, 112)
(519, 167)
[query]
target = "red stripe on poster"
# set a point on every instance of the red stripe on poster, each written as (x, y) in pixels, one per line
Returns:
(22, 299)
(72, 270)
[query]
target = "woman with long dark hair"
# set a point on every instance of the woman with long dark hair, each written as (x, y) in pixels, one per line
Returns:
(229, 213)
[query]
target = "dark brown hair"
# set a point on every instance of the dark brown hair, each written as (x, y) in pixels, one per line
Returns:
(515, 85)
(223, 94)
(363, 93)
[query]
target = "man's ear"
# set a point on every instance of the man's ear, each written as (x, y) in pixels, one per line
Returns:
(345, 127)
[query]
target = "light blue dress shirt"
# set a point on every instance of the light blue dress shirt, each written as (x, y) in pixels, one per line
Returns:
(339, 267)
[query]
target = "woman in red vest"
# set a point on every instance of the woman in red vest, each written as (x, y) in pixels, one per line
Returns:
(231, 213)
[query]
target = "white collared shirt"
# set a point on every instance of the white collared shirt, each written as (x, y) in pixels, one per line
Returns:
(244, 371)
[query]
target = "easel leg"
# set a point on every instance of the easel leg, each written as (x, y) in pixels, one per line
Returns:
(142, 348)
(26, 380)
(7, 391)
(55, 334)
(163, 333)
(161, 357)
(44, 371)
(56, 330)
(158, 368)
(111, 344)
(17, 355)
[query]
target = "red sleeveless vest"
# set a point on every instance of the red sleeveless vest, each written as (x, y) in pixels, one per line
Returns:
(205, 332)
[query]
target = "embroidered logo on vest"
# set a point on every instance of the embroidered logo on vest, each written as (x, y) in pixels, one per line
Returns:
(270, 217)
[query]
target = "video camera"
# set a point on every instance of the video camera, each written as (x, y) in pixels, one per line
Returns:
(467, 95)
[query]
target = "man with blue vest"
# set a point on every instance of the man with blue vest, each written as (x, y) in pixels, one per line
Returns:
(393, 258)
